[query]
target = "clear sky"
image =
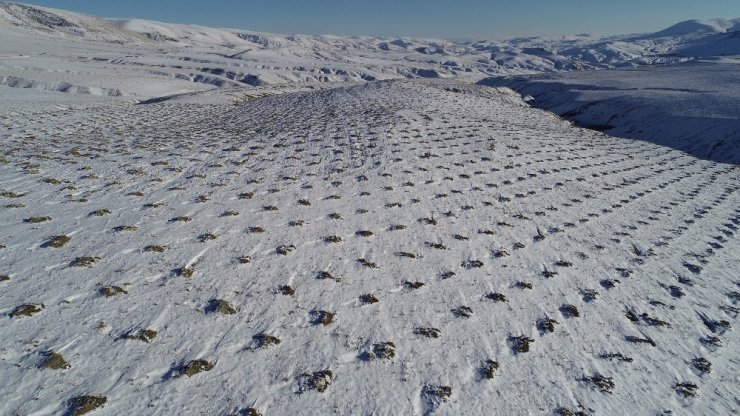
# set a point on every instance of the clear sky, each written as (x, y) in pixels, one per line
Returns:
(424, 18)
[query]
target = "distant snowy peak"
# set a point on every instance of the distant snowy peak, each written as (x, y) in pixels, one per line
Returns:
(63, 23)
(178, 33)
(699, 28)
(22, 15)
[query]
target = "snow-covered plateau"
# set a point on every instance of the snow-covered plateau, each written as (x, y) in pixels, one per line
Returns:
(224, 222)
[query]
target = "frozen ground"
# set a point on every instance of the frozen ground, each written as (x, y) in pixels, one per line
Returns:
(443, 218)
(693, 107)
(180, 237)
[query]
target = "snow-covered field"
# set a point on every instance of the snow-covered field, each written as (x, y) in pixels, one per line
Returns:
(404, 246)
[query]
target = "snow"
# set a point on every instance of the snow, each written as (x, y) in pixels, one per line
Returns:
(218, 221)
(693, 107)
(492, 164)
(721, 44)
(694, 27)
(252, 58)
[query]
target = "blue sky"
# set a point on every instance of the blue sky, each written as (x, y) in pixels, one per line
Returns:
(429, 18)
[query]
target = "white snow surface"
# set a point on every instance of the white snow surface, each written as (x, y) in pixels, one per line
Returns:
(694, 27)
(328, 245)
(178, 55)
(693, 107)
(639, 238)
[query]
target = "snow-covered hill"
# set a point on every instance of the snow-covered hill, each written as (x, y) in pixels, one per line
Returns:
(61, 23)
(232, 57)
(223, 222)
(694, 28)
(400, 247)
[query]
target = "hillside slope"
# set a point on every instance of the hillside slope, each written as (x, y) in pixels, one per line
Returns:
(693, 107)
(216, 57)
(388, 248)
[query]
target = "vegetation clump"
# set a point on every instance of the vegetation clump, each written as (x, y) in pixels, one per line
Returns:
(220, 306)
(284, 250)
(324, 275)
(194, 367)
(146, 335)
(263, 340)
(702, 365)
(523, 285)
(413, 285)
(155, 248)
(472, 264)
(85, 404)
(489, 368)
(27, 309)
(86, 261)
(496, 297)
(319, 381)
(463, 312)
(437, 393)
(57, 241)
(36, 220)
(616, 356)
(384, 350)
(545, 325)
(368, 299)
(601, 383)
(367, 263)
(54, 361)
(333, 239)
(428, 332)
(206, 237)
(686, 389)
(520, 344)
(181, 219)
(322, 318)
(111, 291)
(569, 311)
(286, 290)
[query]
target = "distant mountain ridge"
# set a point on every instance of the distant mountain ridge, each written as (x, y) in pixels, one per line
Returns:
(63, 23)
(700, 27)
(256, 58)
